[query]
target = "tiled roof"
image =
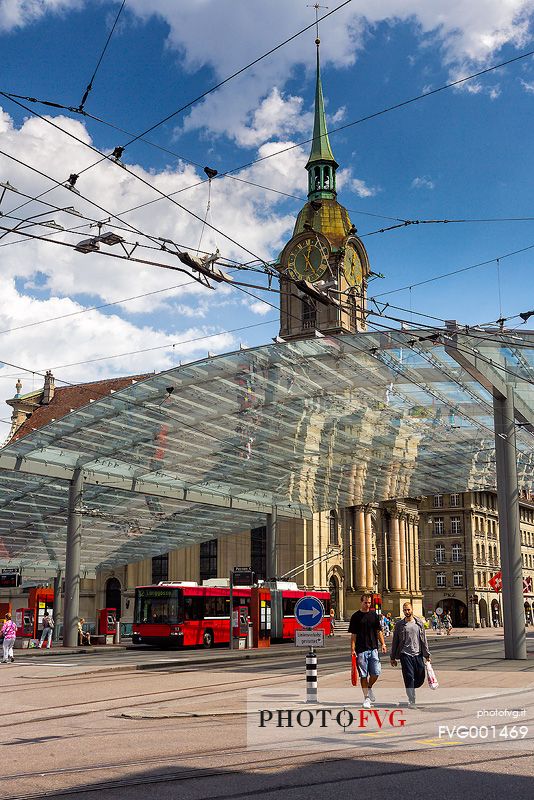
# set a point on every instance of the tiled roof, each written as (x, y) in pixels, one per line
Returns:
(70, 398)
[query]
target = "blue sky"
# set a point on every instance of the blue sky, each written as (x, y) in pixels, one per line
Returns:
(463, 153)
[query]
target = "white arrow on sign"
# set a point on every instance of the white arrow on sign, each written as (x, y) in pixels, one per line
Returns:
(313, 611)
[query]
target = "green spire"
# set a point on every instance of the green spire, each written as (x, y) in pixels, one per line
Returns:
(321, 164)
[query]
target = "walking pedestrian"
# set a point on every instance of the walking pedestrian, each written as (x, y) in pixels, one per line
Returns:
(411, 647)
(366, 633)
(9, 632)
(447, 621)
(434, 621)
(48, 629)
(332, 622)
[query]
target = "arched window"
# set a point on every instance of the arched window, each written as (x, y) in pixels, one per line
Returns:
(332, 528)
(309, 313)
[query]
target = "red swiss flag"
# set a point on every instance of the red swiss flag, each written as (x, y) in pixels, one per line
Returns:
(496, 582)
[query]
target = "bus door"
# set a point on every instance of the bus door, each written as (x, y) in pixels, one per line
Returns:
(260, 612)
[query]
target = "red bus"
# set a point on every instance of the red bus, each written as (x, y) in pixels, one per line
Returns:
(185, 614)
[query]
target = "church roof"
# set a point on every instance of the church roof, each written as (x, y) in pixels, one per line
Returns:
(331, 219)
(320, 150)
(70, 398)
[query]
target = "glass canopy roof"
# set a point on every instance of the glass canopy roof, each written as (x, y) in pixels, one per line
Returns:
(209, 448)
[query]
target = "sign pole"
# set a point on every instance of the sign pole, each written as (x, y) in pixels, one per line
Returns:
(309, 613)
(311, 676)
(231, 609)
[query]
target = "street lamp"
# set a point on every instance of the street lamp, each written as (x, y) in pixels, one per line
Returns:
(93, 245)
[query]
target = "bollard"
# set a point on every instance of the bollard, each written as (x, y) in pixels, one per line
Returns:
(311, 676)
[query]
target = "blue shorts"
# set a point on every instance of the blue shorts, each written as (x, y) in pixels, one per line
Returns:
(368, 663)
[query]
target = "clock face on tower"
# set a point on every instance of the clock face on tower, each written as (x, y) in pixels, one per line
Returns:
(307, 258)
(352, 265)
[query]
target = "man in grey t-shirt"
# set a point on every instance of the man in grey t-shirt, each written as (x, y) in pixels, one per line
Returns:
(411, 647)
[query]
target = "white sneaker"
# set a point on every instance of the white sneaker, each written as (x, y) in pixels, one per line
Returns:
(371, 695)
(367, 703)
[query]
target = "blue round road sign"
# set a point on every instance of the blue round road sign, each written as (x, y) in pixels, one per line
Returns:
(309, 612)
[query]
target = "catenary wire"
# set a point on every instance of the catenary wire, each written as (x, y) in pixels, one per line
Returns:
(201, 96)
(334, 130)
(102, 54)
(358, 121)
(169, 346)
(458, 271)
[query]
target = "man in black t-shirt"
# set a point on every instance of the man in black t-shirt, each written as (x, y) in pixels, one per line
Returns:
(366, 633)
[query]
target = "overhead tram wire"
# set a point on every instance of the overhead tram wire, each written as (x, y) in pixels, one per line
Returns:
(191, 102)
(260, 288)
(307, 141)
(379, 313)
(168, 197)
(374, 115)
(458, 271)
(386, 110)
(169, 346)
(234, 75)
(414, 222)
(163, 195)
(90, 84)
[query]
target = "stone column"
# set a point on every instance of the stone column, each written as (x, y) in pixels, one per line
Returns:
(369, 550)
(361, 563)
(402, 537)
(411, 554)
(395, 573)
(416, 553)
(348, 540)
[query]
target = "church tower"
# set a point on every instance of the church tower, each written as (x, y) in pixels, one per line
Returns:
(324, 255)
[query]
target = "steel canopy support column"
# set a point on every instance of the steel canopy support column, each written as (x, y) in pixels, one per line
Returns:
(272, 561)
(515, 646)
(57, 605)
(72, 561)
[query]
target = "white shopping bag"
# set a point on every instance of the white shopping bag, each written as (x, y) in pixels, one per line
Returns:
(431, 676)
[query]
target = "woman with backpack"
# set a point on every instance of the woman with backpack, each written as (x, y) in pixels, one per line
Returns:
(9, 632)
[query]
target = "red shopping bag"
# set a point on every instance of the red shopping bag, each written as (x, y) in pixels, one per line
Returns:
(354, 671)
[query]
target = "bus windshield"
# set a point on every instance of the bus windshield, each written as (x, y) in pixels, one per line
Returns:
(155, 605)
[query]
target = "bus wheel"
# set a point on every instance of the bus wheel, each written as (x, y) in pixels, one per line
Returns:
(207, 640)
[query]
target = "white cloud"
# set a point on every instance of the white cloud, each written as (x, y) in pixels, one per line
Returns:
(423, 182)
(346, 180)
(260, 308)
(276, 116)
(528, 87)
(465, 34)
(17, 13)
(360, 188)
(92, 335)
(338, 116)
